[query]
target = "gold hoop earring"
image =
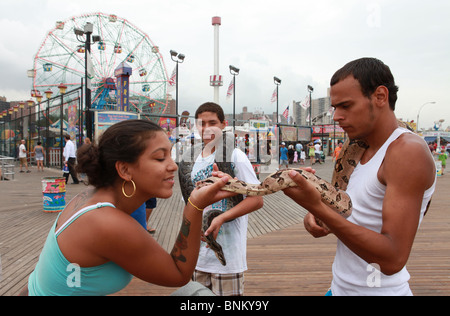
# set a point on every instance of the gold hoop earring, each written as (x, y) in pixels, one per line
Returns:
(123, 189)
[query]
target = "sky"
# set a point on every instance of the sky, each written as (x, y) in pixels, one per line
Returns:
(301, 42)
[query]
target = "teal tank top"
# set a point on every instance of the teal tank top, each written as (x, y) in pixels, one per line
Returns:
(55, 275)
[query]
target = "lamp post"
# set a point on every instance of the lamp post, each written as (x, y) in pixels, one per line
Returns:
(48, 95)
(21, 106)
(418, 113)
(178, 58)
(39, 99)
(62, 89)
(277, 81)
(310, 90)
(30, 104)
(234, 71)
(87, 31)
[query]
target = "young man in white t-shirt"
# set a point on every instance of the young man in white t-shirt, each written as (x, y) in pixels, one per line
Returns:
(229, 228)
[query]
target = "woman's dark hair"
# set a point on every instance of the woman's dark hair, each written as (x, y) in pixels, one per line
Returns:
(370, 73)
(211, 107)
(124, 141)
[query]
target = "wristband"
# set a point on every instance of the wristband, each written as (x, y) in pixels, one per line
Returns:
(197, 208)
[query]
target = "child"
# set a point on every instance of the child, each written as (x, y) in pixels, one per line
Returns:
(66, 172)
(443, 158)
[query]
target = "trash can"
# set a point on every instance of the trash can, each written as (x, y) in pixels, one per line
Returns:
(54, 191)
(438, 167)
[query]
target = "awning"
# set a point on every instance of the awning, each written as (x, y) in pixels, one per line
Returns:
(431, 139)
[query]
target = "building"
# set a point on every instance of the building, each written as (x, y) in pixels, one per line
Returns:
(320, 112)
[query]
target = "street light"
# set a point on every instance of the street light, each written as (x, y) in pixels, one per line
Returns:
(277, 81)
(310, 90)
(48, 95)
(38, 97)
(87, 31)
(178, 58)
(62, 90)
(418, 113)
(234, 71)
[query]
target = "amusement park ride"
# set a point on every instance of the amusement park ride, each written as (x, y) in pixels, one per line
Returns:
(60, 60)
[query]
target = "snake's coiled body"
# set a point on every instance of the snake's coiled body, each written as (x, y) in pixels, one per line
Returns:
(277, 181)
(333, 194)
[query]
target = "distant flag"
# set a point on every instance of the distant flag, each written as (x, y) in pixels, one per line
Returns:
(286, 112)
(330, 111)
(172, 80)
(305, 103)
(90, 70)
(230, 89)
(274, 96)
(307, 118)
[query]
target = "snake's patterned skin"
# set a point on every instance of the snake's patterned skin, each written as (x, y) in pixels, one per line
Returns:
(333, 194)
(280, 180)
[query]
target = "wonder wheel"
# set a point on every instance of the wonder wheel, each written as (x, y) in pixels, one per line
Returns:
(61, 59)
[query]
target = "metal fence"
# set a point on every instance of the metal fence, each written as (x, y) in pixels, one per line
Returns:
(46, 122)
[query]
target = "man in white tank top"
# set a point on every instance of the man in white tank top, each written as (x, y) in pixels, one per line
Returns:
(389, 193)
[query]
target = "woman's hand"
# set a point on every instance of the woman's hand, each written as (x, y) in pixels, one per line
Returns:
(207, 195)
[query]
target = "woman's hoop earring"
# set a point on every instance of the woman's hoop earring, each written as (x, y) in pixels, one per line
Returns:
(123, 189)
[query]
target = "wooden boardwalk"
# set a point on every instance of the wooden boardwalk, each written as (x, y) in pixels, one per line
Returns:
(289, 261)
(283, 259)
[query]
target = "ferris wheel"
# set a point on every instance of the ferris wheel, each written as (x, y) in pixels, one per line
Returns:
(61, 59)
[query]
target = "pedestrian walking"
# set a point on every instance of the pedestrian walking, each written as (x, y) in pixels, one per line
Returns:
(39, 155)
(70, 159)
(311, 153)
(283, 156)
(23, 156)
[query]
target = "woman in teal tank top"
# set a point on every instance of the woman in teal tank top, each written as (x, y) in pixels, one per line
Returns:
(95, 246)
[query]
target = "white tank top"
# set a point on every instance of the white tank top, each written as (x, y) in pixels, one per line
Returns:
(351, 274)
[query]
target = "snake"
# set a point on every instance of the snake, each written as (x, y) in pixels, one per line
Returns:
(332, 194)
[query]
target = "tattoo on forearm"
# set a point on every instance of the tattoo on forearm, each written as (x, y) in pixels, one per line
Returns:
(181, 242)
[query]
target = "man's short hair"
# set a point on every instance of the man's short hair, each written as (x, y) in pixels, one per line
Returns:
(211, 107)
(370, 73)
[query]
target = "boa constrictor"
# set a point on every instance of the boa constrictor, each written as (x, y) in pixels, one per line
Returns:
(333, 194)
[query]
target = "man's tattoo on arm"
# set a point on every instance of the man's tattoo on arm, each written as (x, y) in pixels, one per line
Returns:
(181, 242)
